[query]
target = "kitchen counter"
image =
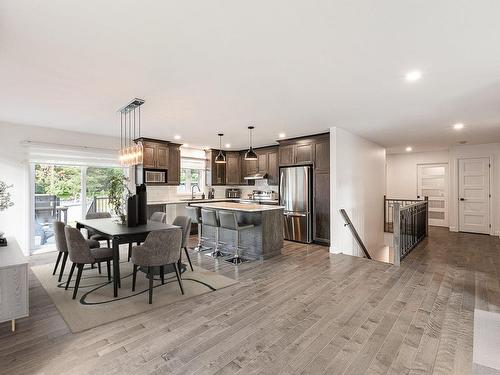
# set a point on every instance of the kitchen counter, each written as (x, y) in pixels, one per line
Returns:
(236, 206)
(188, 201)
(262, 241)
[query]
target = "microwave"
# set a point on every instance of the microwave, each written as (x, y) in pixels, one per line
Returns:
(155, 177)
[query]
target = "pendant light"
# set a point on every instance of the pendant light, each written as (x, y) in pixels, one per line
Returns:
(220, 158)
(250, 154)
(131, 150)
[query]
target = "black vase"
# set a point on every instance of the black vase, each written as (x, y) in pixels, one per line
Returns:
(132, 218)
(142, 204)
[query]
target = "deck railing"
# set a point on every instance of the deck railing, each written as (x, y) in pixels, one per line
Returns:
(99, 204)
(389, 210)
(411, 225)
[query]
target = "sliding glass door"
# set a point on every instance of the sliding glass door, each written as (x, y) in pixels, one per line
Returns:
(66, 193)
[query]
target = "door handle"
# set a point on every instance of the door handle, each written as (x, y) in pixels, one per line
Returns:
(462, 199)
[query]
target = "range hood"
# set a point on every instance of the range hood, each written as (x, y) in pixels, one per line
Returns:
(256, 176)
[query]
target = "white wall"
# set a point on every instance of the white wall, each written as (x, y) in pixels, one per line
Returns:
(357, 168)
(14, 169)
(402, 171)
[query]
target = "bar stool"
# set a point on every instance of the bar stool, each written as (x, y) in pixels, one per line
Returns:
(228, 221)
(209, 218)
(195, 215)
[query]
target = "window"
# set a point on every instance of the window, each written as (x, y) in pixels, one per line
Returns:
(192, 170)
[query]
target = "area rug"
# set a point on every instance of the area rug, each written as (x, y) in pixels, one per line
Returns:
(95, 304)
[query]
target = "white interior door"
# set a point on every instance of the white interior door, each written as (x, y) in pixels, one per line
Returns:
(432, 182)
(474, 195)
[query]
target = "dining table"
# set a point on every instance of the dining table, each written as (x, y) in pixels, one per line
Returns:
(118, 234)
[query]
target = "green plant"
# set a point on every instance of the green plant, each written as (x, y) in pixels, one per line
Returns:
(5, 201)
(118, 192)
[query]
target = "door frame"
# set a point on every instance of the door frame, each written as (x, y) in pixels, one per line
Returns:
(491, 187)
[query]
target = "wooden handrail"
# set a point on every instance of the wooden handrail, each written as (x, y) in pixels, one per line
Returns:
(354, 232)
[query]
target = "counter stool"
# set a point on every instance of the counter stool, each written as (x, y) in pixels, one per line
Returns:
(209, 218)
(194, 214)
(228, 221)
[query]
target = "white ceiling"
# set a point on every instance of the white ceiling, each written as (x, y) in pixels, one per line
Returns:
(297, 67)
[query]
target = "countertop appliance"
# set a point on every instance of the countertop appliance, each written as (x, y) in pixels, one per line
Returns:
(295, 194)
(262, 197)
(233, 193)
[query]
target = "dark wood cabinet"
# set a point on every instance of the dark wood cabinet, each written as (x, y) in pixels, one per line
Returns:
(321, 207)
(304, 153)
(233, 169)
(261, 162)
(218, 170)
(273, 177)
(313, 150)
(287, 154)
(174, 165)
(161, 155)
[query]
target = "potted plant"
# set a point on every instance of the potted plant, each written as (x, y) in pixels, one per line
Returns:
(5, 202)
(119, 193)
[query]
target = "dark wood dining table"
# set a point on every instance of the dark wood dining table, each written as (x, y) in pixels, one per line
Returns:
(121, 234)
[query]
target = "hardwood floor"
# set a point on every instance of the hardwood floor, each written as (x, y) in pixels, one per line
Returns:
(303, 312)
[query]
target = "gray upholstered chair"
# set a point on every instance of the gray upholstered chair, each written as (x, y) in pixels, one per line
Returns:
(80, 254)
(160, 217)
(92, 234)
(62, 247)
(161, 248)
(228, 220)
(209, 218)
(185, 223)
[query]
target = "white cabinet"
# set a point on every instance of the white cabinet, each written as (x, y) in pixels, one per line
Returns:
(13, 283)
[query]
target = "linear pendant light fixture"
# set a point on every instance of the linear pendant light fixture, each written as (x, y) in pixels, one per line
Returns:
(220, 158)
(131, 150)
(250, 154)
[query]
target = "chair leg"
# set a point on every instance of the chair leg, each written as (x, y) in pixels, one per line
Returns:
(108, 264)
(129, 251)
(162, 275)
(57, 262)
(63, 264)
(178, 274)
(189, 259)
(150, 275)
(134, 275)
(109, 244)
(78, 277)
(70, 276)
(99, 267)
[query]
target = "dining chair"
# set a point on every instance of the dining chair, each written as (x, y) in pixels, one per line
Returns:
(161, 248)
(80, 254)
(93, 235)
(62, 247)
(160, 217)
(185, 223)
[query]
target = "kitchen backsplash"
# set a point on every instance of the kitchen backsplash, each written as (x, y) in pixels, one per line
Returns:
(169, 193)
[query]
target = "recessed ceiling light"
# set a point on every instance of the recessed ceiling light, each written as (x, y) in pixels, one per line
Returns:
(282, 135)
(408, 149)
(185, 145)
(458, 126)
(227, 145)
(413, 76)
(177, 137)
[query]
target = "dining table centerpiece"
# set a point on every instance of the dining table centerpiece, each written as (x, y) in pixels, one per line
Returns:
(5, 202)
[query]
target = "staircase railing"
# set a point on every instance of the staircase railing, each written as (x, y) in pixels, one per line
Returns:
(389, 209)
(99, 204)
(348, 223)
(411, 225)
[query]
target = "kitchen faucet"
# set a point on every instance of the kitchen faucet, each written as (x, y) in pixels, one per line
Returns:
(192, 190)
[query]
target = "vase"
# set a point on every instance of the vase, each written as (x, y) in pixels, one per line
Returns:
(132, 211)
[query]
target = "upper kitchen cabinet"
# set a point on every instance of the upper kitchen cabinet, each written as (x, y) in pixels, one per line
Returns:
(218, 170)
(306, 150)
(233, 168)
(162, 156)
(322, 155)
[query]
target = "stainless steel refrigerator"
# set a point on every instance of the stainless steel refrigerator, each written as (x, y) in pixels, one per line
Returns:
(296, 196)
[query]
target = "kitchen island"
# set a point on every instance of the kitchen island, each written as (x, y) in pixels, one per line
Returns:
(262, 241)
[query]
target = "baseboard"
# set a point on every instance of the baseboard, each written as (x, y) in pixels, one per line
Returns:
(453, 229)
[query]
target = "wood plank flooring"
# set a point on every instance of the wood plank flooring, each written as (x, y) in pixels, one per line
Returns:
(303, 312)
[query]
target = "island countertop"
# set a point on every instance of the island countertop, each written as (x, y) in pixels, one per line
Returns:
(233, 206)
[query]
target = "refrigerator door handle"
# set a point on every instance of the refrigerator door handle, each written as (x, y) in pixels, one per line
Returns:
(294, 214)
